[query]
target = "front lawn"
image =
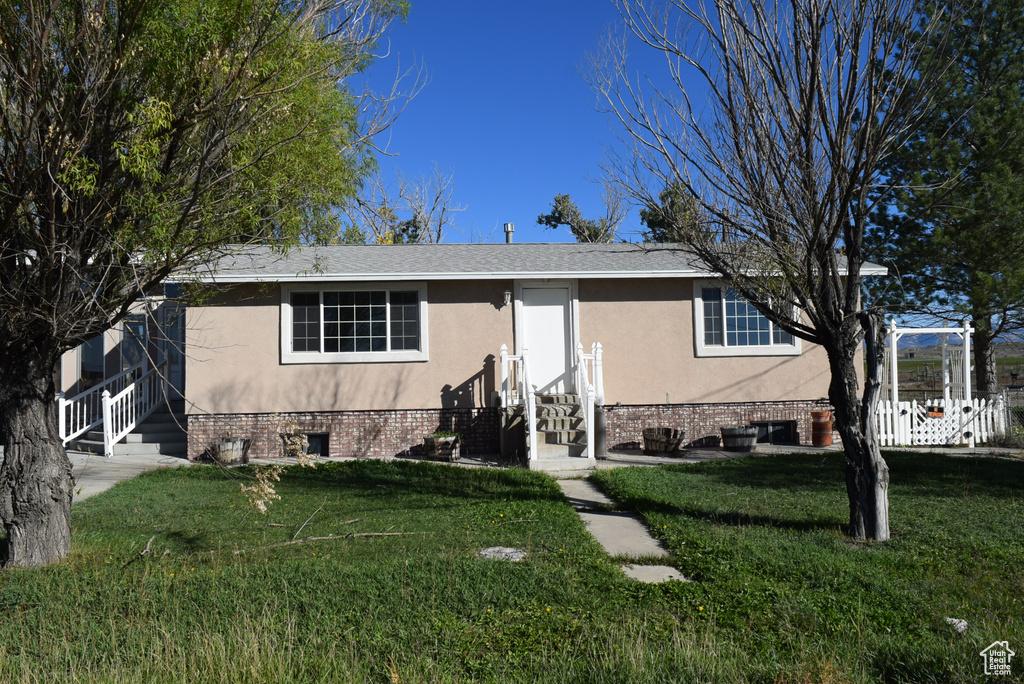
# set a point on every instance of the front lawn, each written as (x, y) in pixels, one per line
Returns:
(764, 538)
(780, 596)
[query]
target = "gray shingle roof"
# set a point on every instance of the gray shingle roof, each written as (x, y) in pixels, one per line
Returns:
(479, 261)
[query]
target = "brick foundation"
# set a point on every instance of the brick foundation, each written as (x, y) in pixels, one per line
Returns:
(378, 434)
(369, 434)
(701, 422)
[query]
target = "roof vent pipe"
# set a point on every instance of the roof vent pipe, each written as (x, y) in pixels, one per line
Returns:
(509, 229)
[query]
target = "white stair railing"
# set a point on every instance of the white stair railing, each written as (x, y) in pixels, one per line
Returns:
(124, 411)
(531, 406)
(516, 390)
(84, 411)
(590, 387)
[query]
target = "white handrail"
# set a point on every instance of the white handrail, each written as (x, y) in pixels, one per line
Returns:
(516, 389)
(522, 394)
(588, 368)
(84, 411)
(124, 411)
(531, 405)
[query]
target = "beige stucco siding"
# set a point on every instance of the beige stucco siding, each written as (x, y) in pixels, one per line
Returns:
(234, 362)
(645, 326)
(646, 330)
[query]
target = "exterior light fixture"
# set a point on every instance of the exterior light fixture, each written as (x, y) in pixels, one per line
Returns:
(508, 297)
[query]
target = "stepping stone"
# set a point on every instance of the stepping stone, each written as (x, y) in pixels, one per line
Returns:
(622, 534)
(653, 574)
(583, 495)
(503, 553)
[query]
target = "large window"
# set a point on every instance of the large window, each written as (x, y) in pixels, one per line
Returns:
(339, 324)
(728, 325)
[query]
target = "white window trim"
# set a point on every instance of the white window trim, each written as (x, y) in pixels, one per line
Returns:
(288, 356)
(715, 350)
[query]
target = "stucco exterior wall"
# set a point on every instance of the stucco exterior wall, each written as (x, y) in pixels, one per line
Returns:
(234, 363)
(646, 330)
(645, 326)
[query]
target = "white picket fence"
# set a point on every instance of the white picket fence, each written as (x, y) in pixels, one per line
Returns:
(940, 422)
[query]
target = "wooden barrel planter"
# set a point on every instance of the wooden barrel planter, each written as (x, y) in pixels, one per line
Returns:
(231, 451)
(742, 438)
(821, 428)
(659, 440)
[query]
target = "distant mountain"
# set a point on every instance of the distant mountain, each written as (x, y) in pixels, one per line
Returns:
(1014, 346)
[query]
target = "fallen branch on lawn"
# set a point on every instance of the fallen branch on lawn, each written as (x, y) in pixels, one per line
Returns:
(509, 522)
(301, 527)
(146, 551)
(347, 522)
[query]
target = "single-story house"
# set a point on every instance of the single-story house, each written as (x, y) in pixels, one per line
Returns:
(368, 348)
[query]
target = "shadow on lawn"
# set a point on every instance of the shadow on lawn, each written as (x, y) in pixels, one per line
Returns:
(188, 541)
(389, 479)
(942, 476)
(646, 506)
(922, 474)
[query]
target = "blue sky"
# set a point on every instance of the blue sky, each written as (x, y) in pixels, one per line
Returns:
(506, 110)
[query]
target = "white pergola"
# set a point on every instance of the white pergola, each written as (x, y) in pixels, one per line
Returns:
(956, 360)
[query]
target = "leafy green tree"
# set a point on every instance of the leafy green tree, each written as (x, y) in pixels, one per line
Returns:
(675, 212)
(140, 138)
(954, 233)
(564, 212)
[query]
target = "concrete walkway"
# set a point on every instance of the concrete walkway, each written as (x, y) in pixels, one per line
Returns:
(623, 535)
(94, 474)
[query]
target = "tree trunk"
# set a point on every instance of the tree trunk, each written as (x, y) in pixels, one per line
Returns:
(867, 475)
(35, 479)
(984, 360)
(867, 486)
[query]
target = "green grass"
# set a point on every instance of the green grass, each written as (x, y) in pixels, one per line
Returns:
(780, 596)
(765, 539)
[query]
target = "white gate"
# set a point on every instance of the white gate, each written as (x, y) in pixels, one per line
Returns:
(956, 417)
(940, 422)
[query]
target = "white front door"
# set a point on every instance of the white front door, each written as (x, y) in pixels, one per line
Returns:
(546, 335)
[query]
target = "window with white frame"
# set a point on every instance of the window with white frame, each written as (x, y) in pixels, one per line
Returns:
(350, 323)
(726, 324)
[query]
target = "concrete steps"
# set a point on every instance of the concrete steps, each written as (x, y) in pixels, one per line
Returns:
(561, 435)
(162, 432)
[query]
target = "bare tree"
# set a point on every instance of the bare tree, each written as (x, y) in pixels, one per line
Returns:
(805, 99)
(140, 138)
(415, 211)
